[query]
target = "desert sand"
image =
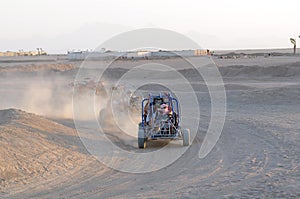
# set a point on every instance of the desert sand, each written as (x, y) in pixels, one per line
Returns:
(257, 155)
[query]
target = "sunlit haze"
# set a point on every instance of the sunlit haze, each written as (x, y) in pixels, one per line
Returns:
(58, 26)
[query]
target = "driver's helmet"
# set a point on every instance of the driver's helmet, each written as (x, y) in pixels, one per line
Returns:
(158, 101)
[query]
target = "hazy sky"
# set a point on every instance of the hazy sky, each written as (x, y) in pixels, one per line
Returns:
(60, 25)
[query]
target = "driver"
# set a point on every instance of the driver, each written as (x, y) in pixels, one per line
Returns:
(165, 109)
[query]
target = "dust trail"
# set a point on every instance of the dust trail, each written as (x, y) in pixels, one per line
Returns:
(55, 99)
(122, 112)
(47, 94)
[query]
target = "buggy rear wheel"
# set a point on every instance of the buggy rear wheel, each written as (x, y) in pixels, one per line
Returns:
(141, 138)
(186, 137)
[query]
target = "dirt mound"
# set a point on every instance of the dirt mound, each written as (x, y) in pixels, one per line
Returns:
(257, 71)
(9, 115)
(33, 147)
(277, 96)
(37, 67)
(289, 70)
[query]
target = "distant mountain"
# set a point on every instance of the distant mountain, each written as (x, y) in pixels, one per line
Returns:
(88, 36)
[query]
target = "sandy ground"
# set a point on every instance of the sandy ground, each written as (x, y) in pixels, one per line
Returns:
(257, 155)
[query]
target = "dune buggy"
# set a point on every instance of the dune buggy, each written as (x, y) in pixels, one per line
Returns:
(161, 120)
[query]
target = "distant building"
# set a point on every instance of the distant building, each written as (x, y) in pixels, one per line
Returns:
(137, 54)
(163, 53)
(103, 54)
(185, 53)
(201, 52)
(81, 55)
(23, 53)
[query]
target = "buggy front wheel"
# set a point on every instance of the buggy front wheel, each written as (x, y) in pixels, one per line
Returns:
(141, 138)
(186, 137)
